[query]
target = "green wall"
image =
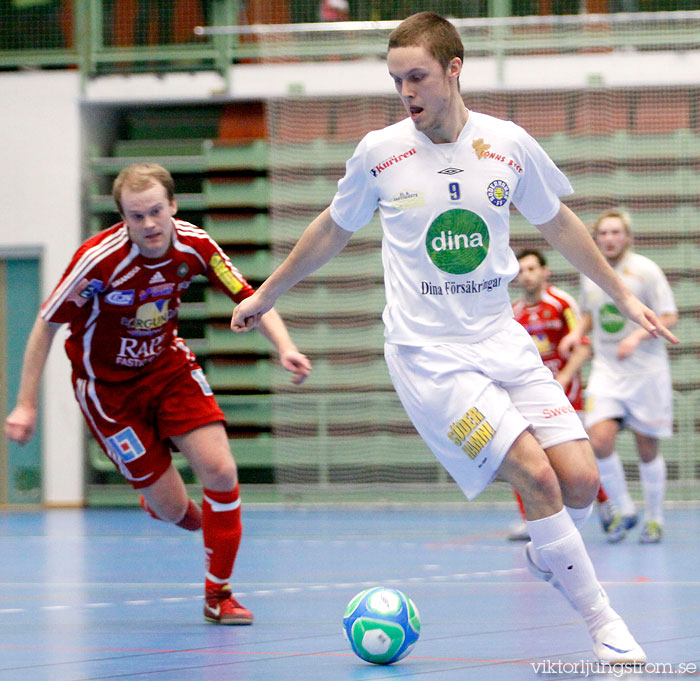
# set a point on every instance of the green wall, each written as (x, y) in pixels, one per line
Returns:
(20, 466)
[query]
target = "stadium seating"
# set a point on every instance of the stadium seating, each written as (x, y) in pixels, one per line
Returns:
(253, 178)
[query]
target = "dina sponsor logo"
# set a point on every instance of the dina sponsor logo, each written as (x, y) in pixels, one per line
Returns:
(611, 319)
(457, 241)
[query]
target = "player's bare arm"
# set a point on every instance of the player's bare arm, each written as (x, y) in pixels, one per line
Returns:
(321, 240)
(629, 344)
(274, 329)
(569, 236)
(574, 337)
(578, 357)
(21, 422)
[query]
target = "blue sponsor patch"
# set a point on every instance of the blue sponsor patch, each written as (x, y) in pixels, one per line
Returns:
(498, 192)
(126, 445)
(94, 287)
(156, 291)
(120, 297)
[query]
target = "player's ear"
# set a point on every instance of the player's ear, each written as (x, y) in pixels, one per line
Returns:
(454, 68)
(173, 207)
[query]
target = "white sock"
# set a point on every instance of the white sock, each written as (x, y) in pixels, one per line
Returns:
(558, 544)
(579, 515)
(653, 476)
(612, 477)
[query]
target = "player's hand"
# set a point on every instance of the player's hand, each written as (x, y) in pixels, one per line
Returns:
(21, 424)
(248, 312)
(627, 346)
(567, 344)
(562, 380)
(296, 363)
(635, 310)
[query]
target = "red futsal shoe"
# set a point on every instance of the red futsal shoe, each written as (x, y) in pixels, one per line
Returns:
(220, 607)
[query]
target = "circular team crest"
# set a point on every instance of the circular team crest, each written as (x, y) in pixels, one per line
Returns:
(183, 269)
(611, 320)
(457, 241)
(498, 192)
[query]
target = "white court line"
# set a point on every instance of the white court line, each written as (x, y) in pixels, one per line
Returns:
(461, 577)
(339, 586)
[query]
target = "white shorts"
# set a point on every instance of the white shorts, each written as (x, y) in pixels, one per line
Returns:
(470, 401)
(643, 402)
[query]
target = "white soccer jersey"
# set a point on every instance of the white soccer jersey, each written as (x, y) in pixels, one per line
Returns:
(648, 283)
(445, 211)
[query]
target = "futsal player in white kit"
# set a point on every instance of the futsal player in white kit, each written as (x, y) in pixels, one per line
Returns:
(630, 382)
(468, 375)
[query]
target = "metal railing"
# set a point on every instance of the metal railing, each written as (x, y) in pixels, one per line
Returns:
(224, 43)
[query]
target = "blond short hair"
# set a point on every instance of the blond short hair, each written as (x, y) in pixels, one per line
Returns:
(622, 215)
(139, 177)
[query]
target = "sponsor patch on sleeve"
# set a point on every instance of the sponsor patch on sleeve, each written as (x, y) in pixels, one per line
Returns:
(224, 274)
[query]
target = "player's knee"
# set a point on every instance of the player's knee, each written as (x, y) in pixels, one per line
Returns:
(221, 474)
(602, 441)
(580, 487)
(542, 480)
(579, 478)
(170, 510)
(601, 446)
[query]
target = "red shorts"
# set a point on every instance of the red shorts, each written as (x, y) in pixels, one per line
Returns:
(133, 420)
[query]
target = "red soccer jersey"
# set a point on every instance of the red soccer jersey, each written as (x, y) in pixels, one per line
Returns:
(122, 308)
(547, 322)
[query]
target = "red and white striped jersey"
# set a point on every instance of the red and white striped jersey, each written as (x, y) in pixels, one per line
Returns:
(547, 322)
(122, 308)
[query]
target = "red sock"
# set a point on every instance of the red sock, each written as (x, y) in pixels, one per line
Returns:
(602, 495)
(192, 520)
(520, 504)
(221, 527)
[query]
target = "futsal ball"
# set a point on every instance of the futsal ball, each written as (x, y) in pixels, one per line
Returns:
(381, 625)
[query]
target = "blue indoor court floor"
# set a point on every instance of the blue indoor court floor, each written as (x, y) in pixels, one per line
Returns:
(112, 594)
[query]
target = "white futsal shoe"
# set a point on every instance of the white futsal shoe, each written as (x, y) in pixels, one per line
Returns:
(613, 644)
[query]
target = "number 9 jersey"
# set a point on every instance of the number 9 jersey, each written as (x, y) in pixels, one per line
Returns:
(445, 210)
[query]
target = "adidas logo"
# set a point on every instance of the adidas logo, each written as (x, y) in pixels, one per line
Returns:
(157, 278)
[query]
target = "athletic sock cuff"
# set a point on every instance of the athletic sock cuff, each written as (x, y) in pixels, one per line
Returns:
(223, 501)
(610, 464)
(654, 470)
(550, 529)
(579, 515)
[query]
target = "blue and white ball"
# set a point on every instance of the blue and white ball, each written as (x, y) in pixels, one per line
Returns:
(382, 625)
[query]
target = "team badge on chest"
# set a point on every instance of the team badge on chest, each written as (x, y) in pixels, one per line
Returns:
(498, 192)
